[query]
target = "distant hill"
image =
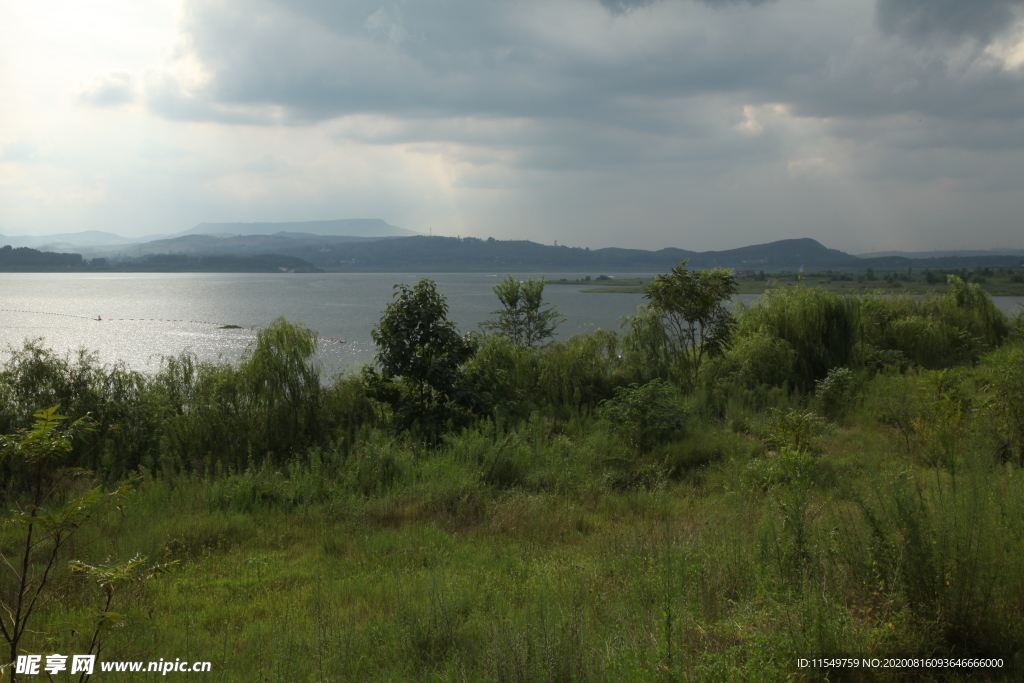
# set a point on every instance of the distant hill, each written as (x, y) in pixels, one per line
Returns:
(294, 250)
(240, 245)
(473, 254)
(65, 240)
(13, 259)
(349, 227)
(958, 253)
(94, 241)
(470, 253)
(27, 260)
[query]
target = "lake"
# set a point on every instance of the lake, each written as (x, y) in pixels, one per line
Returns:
(149, 315)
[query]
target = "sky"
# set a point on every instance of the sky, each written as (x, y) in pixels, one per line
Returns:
(868, 125)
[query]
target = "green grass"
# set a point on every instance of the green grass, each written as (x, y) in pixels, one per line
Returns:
(832, 487)
(727, 570)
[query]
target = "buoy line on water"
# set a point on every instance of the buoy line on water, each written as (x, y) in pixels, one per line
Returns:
(157, 320)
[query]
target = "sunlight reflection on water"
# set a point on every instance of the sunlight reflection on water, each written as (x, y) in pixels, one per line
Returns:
(150, 315)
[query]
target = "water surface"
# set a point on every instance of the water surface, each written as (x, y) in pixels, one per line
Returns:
(149, 315)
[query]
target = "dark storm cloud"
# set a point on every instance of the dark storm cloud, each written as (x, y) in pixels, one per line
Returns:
(588, 81)
(109, 91)
(919, 20)
(322, 60)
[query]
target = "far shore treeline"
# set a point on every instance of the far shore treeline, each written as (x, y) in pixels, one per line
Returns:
(27, 260)
(705, 494)
(304, 252)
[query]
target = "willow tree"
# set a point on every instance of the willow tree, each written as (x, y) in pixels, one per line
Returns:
(691, 304)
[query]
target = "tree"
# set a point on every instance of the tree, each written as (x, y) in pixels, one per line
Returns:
(420, 357)
(522, 320)
(113, 579)
(692, 307)
(44, 519)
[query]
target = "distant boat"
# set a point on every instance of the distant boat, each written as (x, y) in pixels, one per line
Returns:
(98, 317)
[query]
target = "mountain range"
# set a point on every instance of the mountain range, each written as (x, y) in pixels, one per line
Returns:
(374, 245)
(101, 243)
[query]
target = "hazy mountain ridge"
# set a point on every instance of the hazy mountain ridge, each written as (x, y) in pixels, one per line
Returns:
(342, 227)
(67, 240)
(28, 260)
(450, 253)
(955, 253)
(361, 228)
(424, 253)
(203, 244)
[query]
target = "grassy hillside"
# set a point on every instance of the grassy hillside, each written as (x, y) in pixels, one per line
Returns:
(846, 478)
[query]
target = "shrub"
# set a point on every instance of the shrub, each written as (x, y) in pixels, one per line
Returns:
(235, 417)
(649, 351)
(835, 393)
(644, 414)
(793, 429)
(821, 327)
(935, 332)
(755, 360)
(581, 371)
(43, 521)
(1005, 375)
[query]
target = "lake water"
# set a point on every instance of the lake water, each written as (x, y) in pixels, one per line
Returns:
(149, 315)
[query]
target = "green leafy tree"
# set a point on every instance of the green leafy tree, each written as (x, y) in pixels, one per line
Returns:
(692, 306)
(524, 321)
(420, 358)
(39, 530)
(113, 579)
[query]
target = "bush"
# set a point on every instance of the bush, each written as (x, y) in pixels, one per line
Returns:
(754, 360)
(644, 414)
(649, 351)
(834, 394)
(1005, 375)
(935, 332)
(821, 327)
(940, 544)
(581, 371)
(271, 405)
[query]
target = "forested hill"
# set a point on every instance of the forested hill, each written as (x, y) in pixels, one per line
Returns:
(470, 253)
(306, 252)
(24, 259)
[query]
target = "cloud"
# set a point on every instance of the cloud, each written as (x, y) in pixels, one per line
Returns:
(623, 6)
(951, 20)
(20, 152)
(305, 61)
(699, 112)
(302, 62)
(112, 90)
(386, 24)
